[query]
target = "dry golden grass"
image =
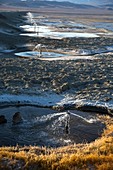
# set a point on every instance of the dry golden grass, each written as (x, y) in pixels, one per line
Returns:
(97, 155)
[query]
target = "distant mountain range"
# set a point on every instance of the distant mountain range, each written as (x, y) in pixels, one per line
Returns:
(90, 2)
(40, 3)
(60, 3)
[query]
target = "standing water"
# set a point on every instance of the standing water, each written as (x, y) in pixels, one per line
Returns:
(46, 127)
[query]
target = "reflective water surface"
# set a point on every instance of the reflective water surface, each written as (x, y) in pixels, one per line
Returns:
(42, 126)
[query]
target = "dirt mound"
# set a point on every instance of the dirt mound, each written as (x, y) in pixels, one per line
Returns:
(10, 30)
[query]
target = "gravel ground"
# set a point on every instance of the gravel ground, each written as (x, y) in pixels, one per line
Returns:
(86, 79)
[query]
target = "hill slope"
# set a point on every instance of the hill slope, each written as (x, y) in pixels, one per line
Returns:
(42, 3)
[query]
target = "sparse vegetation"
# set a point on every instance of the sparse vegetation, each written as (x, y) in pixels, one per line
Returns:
(97, 155)
(89, 80)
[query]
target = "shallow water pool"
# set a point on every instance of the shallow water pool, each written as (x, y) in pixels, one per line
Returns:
(46, 127)
(36, 54)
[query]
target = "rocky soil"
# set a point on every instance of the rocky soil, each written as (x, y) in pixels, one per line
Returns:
(86, 79)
